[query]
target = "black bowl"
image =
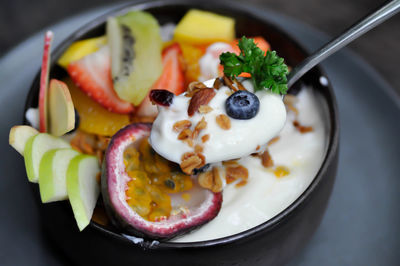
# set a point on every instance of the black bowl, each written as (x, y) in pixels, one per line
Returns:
(271, 243)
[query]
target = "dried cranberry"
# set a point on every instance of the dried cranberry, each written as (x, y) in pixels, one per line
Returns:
(161, 97)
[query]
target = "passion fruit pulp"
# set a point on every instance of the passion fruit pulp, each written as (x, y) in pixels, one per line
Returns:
(148, 196)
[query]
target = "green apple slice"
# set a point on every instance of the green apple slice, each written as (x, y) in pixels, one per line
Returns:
(35, 148)
(19, 135)
(83, 188)
(61, 109)
(53, 172)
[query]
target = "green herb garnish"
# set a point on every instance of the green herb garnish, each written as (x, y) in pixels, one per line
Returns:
(267, 71)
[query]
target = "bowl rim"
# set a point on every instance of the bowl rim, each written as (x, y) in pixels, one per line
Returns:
(251, 11)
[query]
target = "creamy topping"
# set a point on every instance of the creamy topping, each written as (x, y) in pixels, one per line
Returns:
(32, 115)
(209, 63)
(265, 195)
(241, 139)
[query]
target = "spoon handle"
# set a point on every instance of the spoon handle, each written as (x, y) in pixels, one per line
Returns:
(358, 29)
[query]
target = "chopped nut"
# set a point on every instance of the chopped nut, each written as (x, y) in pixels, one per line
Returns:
(202, 124)
(194, 87)
(181, 125)
(266, 159)
(223, 121)
(228, 82)
(217, 83)
(205, 138)
(302, 129)
(230, 163)
(211, 180)
(293, 109)
(235, 173)
(201, 97)
(239, 84)
(186, 133)
(190, 161)
(241, 183)
(198, 148)
(204, 109)
(189, 142)
(290, 99)
(274, 140)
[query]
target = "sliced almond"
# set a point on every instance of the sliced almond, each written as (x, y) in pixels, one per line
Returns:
(228, 82)
(190, 161)
(181, 125)
(201, 97)
(235, 173)
(204, 109)
(202, 124)
(223, 121)
(302, 129)
(266, 159)
(211, 180)
(186, 133)
(205, 138)
(274, 140)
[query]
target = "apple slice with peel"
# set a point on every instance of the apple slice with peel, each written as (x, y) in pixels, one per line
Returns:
(44, 80)
(61, 108)
(35, 148)
(83, 187)
(19, 135)
(53, 172)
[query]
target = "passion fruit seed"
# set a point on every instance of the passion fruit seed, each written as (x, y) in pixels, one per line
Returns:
(152, 178)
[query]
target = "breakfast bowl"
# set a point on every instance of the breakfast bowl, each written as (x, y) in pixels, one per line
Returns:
(274, 241)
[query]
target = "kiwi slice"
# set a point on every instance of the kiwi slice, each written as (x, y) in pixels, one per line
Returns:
(135, 44)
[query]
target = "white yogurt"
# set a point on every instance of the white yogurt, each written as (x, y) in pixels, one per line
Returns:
(242, 139)
(265, 195)
(209, 63)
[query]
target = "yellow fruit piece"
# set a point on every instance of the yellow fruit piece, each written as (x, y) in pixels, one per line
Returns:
(201, 27)
(281, 171)
(93, 117)
(80, 49)
(191, 56)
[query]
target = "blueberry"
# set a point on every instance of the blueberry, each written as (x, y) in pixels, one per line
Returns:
(242, 105)
(162, 97)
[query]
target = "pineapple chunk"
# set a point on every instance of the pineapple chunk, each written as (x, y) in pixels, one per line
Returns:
(80, 49)
(201, 27)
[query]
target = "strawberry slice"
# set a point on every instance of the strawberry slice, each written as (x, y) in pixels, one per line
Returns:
(92, 74)
(172, 79)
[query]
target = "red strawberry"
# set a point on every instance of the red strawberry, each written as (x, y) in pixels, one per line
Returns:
(92, 74)
(172, 78)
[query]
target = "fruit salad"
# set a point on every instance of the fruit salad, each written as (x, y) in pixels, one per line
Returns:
(177, 127)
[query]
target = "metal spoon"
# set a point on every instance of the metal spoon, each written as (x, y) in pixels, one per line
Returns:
(355, 31)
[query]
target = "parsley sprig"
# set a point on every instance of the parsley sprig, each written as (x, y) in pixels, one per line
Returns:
(267, 71)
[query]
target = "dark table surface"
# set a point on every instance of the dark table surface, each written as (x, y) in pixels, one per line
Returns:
(19, 19)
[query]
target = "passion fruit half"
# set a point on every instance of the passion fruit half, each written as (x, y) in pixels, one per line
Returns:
(148, 196)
